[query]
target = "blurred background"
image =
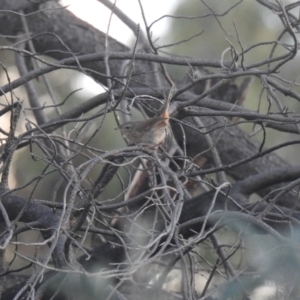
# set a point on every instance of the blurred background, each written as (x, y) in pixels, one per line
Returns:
(206, 37)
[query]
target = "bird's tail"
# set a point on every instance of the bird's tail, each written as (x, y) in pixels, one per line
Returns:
(165, 108)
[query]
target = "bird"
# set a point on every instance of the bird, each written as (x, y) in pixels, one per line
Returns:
(151, 132)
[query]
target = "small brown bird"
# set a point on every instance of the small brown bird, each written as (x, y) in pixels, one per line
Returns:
(152, 132)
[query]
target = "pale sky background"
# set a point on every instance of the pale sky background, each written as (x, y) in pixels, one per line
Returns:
(95, 13)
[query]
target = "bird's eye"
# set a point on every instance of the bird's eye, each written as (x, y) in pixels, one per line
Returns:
(127, 127)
